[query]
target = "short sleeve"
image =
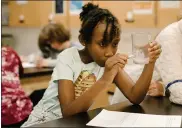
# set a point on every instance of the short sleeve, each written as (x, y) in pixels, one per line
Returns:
(62, 70)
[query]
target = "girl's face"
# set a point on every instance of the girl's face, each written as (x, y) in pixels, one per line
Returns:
(97, 51)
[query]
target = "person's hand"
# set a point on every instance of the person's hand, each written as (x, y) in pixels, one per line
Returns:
(122, 58)
(154, 51)
(156, 89)
(41, 62)
(113, 64)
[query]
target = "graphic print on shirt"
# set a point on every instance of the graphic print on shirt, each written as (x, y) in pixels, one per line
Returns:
(84, 81)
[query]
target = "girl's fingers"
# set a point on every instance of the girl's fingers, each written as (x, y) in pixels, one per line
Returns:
(122, 61)
(121, 65)
(123, 56)
(152, 44)
(155, 47)
(112, 63)
(154, 57)
(115, 61)
(155, 54)
(118, 58)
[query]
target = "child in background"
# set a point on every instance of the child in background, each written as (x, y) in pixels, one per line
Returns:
(16, 105)
(53, 39)
(80, 75)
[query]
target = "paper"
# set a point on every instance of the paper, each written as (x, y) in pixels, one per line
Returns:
(28, 65)
(123, 119)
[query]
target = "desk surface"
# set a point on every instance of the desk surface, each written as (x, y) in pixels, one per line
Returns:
(29, 72)
(151, 105)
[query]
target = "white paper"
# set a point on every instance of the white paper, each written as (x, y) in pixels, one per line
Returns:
(169, 4)
(28, 65)
(123, 119)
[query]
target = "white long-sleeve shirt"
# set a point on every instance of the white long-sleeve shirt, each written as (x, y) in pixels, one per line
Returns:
(169, 63)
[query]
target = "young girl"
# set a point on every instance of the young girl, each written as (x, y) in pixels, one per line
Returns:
(80, 76)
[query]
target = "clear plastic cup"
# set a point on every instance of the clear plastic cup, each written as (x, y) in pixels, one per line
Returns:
(140, 45)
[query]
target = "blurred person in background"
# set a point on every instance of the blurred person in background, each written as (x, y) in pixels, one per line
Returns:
(169, 64)
(16, 105)
(52, 40)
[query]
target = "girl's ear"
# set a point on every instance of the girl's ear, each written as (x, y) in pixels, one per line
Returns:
(81, 40)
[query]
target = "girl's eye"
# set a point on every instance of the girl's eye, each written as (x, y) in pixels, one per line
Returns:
(102, 45)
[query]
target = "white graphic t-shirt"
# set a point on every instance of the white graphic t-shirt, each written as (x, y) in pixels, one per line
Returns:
(69, 67)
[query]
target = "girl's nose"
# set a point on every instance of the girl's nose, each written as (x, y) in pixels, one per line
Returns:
(109, 52)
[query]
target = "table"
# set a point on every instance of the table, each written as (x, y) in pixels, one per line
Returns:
(31, 72)
(150, 105)
(35, 79)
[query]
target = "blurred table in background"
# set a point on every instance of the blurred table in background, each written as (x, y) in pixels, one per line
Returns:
(35, 79)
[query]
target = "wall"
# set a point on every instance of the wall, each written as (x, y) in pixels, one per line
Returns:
(167, 16)
(119, 9)
(26, 38)
(159, 17)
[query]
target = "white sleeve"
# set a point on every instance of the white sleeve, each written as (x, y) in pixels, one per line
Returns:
(169, 63)
(62, 70)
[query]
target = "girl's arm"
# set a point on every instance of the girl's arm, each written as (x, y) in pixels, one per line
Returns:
(66, 91)
(70, 105)
(136, 92)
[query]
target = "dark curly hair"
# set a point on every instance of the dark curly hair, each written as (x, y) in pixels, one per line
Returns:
(50, 33)
(90, 16)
